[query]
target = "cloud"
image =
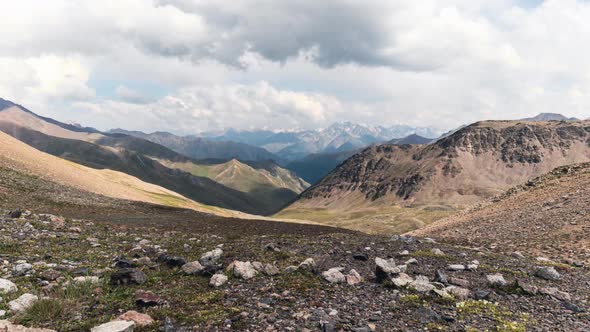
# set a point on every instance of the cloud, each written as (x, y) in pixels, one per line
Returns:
(283, 64)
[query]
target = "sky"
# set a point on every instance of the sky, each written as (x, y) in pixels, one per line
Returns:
(188, 66)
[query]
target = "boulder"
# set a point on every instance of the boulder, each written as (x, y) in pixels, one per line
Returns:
(547, 273)
(496, 279)
(384, 269)
(192, 268)
(22, 303)
(172, 261)
(7, 286)
(402, 280)
(21, 269)
(138, 318)
(147, 299)
(307, 265)
(211, 257)
(556, 293)
(421, 284)
(115, 326)
(128, 277)
(9, 327)
(334, 275)
(458, 292)
(244, 270)
(456, 267)
(270, 270)
(218, 280)
(353, 278)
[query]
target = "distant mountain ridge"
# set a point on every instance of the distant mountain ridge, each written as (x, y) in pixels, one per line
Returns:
(148, 161)
(199, 148)
(550, 117)
(339, 137)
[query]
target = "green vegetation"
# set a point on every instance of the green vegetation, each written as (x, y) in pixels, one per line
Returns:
(505, 320)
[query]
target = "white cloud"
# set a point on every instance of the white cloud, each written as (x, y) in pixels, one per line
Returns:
(281, 64)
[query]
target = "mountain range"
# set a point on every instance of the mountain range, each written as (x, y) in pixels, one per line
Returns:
(474, 163)
(339, 137)
(267, 192)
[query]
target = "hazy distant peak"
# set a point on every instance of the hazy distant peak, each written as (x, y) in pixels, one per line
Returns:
(549, 117)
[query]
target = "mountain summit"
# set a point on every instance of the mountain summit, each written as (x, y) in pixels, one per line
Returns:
(550, 117)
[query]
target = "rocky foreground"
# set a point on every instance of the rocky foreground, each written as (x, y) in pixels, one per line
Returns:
(80, 275)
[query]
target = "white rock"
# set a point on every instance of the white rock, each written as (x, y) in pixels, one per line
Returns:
(353, 278)
(88, 279)
(2, 313)
(218, 280)
(115, 326)
(23, 303)
(7, 286)
(211, 257)
(21, 269)
(437, 252)
(307, 264)
(496, 279)
(402, 280)
(334, 275)
(456, 267)
(9, 327)
(422, 284)
(244, 270)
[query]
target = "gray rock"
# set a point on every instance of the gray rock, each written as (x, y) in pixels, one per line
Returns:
(441, 277)
(218, 280)
(291, 269)
(547, 273)
(307, 265)
(7, 286)
(556, 293)
(192, 268)
(421, 284)
(456, 267)
(459, 292)
(437, 252)
(115, 326)
(402, 280)
(334, 275)
(244, 270)
(496, 279)
(128, 277)
(384, 269)
(211, 257)
(270, 270)
(353, 278)
(22, 303)
(21, 269)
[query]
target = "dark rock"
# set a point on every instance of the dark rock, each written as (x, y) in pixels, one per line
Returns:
(128, 276)
(481, 294)
(441, 277)
(15, 214)
(361, 257)
(50, 275)
(572, 307)
(122, 263)
(172, 261)
(83, 271)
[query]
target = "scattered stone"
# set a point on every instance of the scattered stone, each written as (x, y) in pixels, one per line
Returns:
(270, 270)
(402, 280)
(456, 267)
(386, 268)
(527, 288)
(518, 254)
(547, 273)
(437, 252)
(83, 280)
(122, 263)
(115, 326)
(459, 282)
(192, 268)
(573, 307)
(291, 269)
(353, 278)
(147, 299)
(244, 270)
(556, 293)
(50, 275)
(7, 286)
(272, 247)
(172, 261)
(22, 303)
(441, 277)
(482, 294)
(211, 257)
(459, 292)
(307, 265)
(404, 253)
(411, 261)
(421, 284)
(9, 327)
(218, 280)
(334, 275)
(21, 269)
(138, 318)
(128, 277)
(361, 257)
(496, 279)
(15, 214)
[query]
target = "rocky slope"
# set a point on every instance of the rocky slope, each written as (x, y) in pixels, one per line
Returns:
(474, 163)
(548, 215)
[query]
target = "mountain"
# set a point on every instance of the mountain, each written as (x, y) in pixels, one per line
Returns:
(24, 161)
(317, 165)
(339, 137)
(199, 148)
(137, 157)
(549, 117)
(411, 139)
(472, 164)
(554, 206)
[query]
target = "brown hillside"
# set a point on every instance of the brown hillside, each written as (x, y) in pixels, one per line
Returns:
(475, 163)
(549, 215)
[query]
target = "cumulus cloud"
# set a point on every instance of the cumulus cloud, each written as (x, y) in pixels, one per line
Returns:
(282, 64)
